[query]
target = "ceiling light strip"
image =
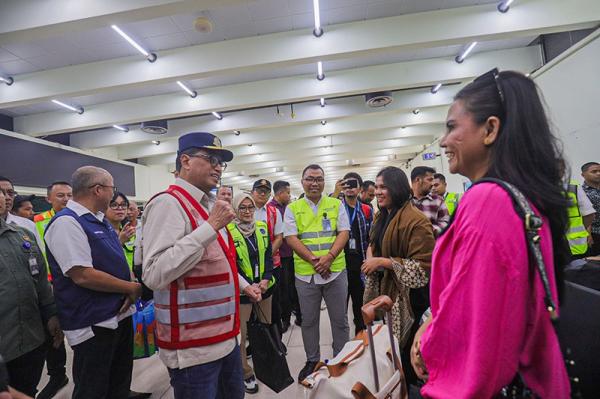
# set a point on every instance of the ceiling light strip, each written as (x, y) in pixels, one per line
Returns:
(436, 88)
(504, 5)
(77, 109)
(217, 115)
(189, 91)
(320, 74)
(7, 79)
(318, 31)
(322, 102)
(121, 128)
(149, 56)
(461, 57)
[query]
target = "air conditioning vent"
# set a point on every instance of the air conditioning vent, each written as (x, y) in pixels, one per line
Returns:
(155, 127)
(379, 99)
(253, 176)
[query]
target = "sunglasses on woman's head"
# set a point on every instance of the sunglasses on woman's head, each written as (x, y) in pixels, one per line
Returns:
(493, 75)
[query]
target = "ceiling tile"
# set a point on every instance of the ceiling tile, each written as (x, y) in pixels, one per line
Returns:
(330, 4)
(195, 37)
(48, 61)
(230, 15)
(96, 37)
(344, 14)
(164, 42)
(152, 27)
(273, 25)
(410, 7)
(6, 55)
(116, 50)
(239, 31)
(300, 6)
(25, 49)
(268, 9)
(382, 9)
(17, 67)
(303, 21)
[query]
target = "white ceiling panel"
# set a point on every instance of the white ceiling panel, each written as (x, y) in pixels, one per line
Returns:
(17, 67)
(150, 28)
(268, 9)
(274, 25)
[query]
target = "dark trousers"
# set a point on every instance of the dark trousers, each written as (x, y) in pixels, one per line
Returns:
(25, 372)
(102, 365)
(419, 301)
(220, 379)
(594, 250)
(288, 293)
(356, 288)
(276, 301)
(56, 358)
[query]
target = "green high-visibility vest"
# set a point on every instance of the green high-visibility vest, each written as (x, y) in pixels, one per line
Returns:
(577, 235)
(451, 200)
(42, 221)
(243, 256)
(128, 249)
(313, 235)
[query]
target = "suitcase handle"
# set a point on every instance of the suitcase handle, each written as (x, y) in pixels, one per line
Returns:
(381, 302)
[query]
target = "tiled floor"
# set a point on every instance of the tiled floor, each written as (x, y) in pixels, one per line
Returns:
(150, 375)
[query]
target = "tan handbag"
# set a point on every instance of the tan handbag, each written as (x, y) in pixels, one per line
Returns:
(368, 367)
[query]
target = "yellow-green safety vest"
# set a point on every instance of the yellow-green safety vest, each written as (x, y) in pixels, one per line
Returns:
(451, 200)
(243, 256)
(312, 232)
(40, 226)
(577, 235)
(128, 249)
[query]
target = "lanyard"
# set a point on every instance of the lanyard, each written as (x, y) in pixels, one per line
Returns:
(255, 249)
(353, 214)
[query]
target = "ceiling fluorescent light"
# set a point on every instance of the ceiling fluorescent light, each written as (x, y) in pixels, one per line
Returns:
(149, 56)
(155, 142)
(322, 102)
(323, 122)
(318, 31)
(320, 74)
(7, 79)
(217, 115)
(461, 57)
(436, 88)
(77, 109)
(416, 111)
(237, 132)
(504, 5)
(121, 128)
(189, 91)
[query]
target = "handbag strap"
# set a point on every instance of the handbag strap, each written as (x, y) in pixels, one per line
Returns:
(533, 225)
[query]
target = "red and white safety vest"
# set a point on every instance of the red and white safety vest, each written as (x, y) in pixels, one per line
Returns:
(271, 221)
(202, 306)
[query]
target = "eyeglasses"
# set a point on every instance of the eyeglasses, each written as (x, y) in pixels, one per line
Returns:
(214, 160)
(114, 188)
(494, 75)
(263, 191)
(312, 180)
(115, 206)
(11, 193)
(246, 209)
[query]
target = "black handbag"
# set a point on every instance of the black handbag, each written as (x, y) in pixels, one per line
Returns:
(268, 354)
(517, 389)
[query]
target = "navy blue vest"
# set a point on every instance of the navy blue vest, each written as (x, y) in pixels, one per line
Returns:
(79, 307)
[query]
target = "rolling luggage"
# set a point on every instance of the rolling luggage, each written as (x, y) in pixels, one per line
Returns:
(368, 367)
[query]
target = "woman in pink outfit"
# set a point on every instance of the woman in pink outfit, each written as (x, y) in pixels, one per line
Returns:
(489, 323)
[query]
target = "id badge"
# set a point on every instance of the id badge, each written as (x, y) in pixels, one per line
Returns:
(352, 244)
(326, 225)
(33, 266)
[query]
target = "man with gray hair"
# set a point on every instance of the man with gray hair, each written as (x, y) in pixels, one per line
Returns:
(93, 288)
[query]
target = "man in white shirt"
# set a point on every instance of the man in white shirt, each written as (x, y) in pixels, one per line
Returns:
(317, 229)
(93, 288)
(189, 262)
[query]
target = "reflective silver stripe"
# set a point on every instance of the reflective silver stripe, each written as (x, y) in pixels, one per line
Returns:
(319, 234)
(195, 315)
(320, 247)
(195, 295)
(578, 241)
(576, 229)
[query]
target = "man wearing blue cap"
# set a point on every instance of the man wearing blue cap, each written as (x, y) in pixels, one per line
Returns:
(189, 260)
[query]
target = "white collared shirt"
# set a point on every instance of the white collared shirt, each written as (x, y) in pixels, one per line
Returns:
(70, 247)
(260, 215)
(26, 224)
(290, 229)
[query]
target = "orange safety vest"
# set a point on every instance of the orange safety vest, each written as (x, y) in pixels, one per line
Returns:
(201, 307)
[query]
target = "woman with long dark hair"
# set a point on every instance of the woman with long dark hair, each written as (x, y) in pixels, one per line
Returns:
(401, 245)
(489, 322)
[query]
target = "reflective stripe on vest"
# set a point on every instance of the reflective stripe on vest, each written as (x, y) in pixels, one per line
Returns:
(243, 255)
(191, 296)
(271, 222)
(312, 235)
(577, 235)
(196, 315)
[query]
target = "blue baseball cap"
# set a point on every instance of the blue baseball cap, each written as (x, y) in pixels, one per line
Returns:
(206, 141)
